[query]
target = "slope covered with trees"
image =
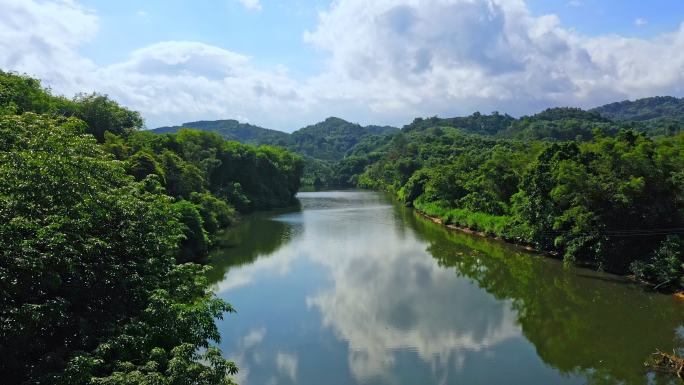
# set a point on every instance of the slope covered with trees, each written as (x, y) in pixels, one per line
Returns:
(329, 140)
(321, 145)
(614, 202)
(658, 107)
(101, 231)
(234, 130)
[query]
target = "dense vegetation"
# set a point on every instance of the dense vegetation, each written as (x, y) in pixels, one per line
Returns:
(322, 144)
(329, 140)
(101, 227)
(600, 187)
(658, 107)
(87, 200)
(614, 202)
(234, 130)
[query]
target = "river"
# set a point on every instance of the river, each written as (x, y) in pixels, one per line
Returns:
(352, 288)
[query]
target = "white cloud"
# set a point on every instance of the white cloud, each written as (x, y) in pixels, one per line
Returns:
(42, 38)
(287, 365)
(251, 4)
(253, 338)
(142, 13)
(429, 56)
(388, 61)
(406, 309)
(640, 22)
(184, 80)
(248, 343)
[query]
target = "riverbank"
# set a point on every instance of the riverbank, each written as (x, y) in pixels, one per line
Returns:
(356, 273)
(678, 295)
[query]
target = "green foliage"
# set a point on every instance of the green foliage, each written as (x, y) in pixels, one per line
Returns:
(500, 226)
(331, 139)
(321, 145)
(666, 266)
(19, 94)
(561, 124)
(476, 123)
(102, 114)
(603, 202)
(90, 290)
(144, 163)
(646, 109)
(182, 178)
(190, 161)
(317, 173)
(195, 242)
(234, 130)
(216, 213)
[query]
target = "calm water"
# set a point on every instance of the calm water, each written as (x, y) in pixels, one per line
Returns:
(353, 289)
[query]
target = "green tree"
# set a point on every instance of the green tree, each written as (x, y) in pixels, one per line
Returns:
(195, 242)
(90, 292)
(102, 114)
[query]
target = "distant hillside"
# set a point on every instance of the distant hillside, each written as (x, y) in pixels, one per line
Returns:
(476, 123)
(562, 123)
(234, 130)
(329, 140)
(660, 115)
(321, 144)
(666, 117)
(333, 138)
(336, 151)
(659, 107)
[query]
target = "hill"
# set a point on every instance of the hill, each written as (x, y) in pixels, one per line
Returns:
(333, 138)
(329, 140)
(476, 123)
(321, 144)
(658, 107)
(234, 130)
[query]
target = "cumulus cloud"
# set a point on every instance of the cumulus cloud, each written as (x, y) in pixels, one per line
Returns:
(253, 338)
(190, 80)
(388, 61)
(251, 4)
(42, 38)
(410, 54)
(287, 365)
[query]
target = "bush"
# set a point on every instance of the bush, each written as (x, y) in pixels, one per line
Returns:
(90, 292)
(195, 243)
(216, 213)
(665, 267)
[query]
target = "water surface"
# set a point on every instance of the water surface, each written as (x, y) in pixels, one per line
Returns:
(353, 289)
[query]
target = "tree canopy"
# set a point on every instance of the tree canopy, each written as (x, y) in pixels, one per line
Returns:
(101, 230)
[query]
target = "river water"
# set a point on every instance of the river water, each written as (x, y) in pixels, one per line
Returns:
(353, 289)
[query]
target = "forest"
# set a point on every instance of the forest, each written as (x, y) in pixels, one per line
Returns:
(613, 203)
(90, 200)
(104, 230)
(601, 188)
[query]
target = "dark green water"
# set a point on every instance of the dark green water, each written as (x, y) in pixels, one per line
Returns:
(353, 289)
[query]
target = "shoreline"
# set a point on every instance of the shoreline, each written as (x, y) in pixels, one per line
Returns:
(677, 295)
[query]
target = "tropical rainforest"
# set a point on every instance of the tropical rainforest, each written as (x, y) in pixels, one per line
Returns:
(602, 188)
(105, 228)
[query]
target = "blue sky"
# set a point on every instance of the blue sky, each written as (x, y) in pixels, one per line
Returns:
(284, 64)
(594, 17)
(274, 34)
